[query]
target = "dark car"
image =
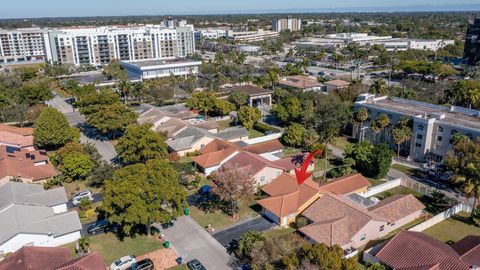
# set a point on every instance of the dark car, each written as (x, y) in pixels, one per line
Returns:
(102, 226)
(146, 264)
(195, 265)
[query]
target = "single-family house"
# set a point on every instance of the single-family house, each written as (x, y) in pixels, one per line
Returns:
(233, 134)
(416, 250)
(469, 249)
(285, 186)
(210, 126)
(336, 84)
(17, 137)
(50, 258)
(336, 220)
(256, 96)
(30, 215)
(300, 82)
(190, 139)
(27, 166)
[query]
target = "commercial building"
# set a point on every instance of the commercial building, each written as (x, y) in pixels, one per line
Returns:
(30, 215)
(157, 68)
(287, 23)
(433, 126)
(251, 36)
(201, 34)
(341, 40)
(97, 45)
(23, 45)
(472, 43)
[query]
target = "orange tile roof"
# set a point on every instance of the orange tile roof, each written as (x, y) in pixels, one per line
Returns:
(217, 145)
(288, 199)
(396, 207)
(22, 163)
(469, 249)
(250, 161)
(11, 138)
(299, 81)
(265, 147)
(17, 130)
(338, 83)
(213, 158)
(346, 184)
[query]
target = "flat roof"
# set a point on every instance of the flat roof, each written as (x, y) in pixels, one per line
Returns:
(413, 108)
(160, 62)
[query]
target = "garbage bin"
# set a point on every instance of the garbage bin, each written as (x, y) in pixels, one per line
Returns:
(186, 211)
(166, 244)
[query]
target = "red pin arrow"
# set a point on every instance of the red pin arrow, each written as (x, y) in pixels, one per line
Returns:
(302, 174)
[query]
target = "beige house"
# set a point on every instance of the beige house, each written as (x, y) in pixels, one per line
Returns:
(336, 84)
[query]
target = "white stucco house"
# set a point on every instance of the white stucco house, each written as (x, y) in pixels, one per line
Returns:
(32, 216)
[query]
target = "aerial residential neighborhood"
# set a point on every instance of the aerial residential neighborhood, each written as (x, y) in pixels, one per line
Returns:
(218, 135)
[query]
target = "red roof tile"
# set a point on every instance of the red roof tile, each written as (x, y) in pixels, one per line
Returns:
(346, 184)
(264, 147)
(23, 163)
(413, 250)
(469, 249)
(213, 158)
(35, 258)
(396, 207)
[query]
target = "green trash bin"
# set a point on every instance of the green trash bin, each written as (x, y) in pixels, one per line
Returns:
(166, 244)
(186, 211)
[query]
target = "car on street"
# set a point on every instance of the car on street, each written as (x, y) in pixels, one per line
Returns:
(123, 263)
(86, 194)
(145, 264)
(102, 226)
(195, 265)
(446, 176)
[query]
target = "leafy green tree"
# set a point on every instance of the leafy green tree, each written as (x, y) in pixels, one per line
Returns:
(294, 135)
(111, 119)
(91, 102)
(140, 144)
(223, 107)
(203, 102)
(248, 116)
(139, 195)
(34, 92)
(370, 160)
(246, 243)
(52, 129)
(114, 70)
(376, 266)
(239, 99)
(76, 166)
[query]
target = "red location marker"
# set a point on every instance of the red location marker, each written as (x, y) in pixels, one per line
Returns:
(302, 173)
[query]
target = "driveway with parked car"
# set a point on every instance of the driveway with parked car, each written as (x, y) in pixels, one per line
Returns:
(97, 197)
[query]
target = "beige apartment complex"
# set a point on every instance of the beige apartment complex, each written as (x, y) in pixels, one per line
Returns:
(287, 23)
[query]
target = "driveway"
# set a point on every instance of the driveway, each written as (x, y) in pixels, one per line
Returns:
(87, 135)
(191, 241)
(97, 197)
(227, 236)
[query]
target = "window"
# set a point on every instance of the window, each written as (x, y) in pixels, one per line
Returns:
(382, 228)
(418, 145)
(419, 136)
(363, 236)
(420, 127)
(439, 138)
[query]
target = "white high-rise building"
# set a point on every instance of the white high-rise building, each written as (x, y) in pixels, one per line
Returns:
(288, 23)
(23, 45)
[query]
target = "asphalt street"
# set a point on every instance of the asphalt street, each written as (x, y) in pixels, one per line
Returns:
(229, 235)
(191, 241)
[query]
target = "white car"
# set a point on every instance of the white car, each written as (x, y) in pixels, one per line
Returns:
(123, 263)
(87, 194)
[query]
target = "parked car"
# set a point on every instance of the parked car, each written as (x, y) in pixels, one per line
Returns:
(102, 226)
(145, 264)
(446, 176)
(123, 263)
(86, 194)
(195, 265)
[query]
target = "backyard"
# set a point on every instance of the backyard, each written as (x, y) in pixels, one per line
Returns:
(111, 248)
(453, 229)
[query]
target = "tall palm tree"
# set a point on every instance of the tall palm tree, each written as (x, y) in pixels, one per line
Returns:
(360, 117)
(272, 76)
(379, 125)
(379, 87)
(473, 96)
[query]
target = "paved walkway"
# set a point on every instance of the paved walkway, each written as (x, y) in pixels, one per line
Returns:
(191, 241)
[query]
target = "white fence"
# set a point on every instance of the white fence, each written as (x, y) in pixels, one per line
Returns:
(441, 217)
(381, 188)
(265, 138)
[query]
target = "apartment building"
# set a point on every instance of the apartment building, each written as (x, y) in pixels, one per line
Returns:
(433, 126)
(287, 23)
(472, 43)
(97, 46)
(251, 36)
(23, 45)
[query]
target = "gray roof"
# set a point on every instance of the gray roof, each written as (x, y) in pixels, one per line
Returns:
(33, 219)
(187, 137)
(365, 202)
(174, 109)
(151, 116)
(232, 133)
(30, 194)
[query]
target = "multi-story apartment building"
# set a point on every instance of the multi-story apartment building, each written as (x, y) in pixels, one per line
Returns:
(433, 126)
(287, 23)
(97, 46)
(23, 45)
(472, 43)
(251, 36)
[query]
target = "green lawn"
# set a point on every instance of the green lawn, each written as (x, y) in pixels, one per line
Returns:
(405, 169)
(111, 248)
(320, 165)
(453, 229)
(375, 182)
(253, 133)
(290, 151)
(278, 232)
(224, 124)
(219, 219)
(341, 142)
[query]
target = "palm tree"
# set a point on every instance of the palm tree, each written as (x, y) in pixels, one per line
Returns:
(473, 96)
(378, 87)
(360, 117)
(272, 76)
(379, 125)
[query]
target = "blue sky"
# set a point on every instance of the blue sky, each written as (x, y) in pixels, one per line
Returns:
(61, 8)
